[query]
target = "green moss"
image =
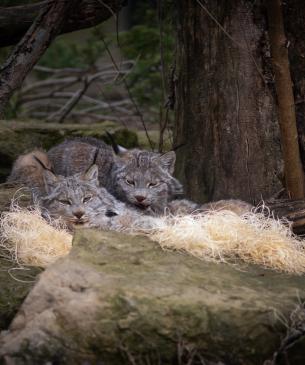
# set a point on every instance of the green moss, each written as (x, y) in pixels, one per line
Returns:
(15, 283)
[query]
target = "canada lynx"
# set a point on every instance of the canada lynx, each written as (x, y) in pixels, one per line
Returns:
(142, 179)
(80, 201)
(184, 206)
(28, 170)
(76, 155)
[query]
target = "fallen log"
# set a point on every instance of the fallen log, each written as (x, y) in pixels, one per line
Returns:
(16, 20)
(293, 210)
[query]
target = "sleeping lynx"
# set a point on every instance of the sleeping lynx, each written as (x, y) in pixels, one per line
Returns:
(78, 200)
(141, 179)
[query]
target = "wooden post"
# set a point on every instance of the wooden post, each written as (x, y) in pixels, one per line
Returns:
(294, 175)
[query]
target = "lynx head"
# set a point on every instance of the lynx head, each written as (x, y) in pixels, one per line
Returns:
(76, 199)
(144, 179)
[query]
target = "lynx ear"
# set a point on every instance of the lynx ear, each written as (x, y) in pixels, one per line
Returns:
(167, 161)
(49, 179)
(92, 174)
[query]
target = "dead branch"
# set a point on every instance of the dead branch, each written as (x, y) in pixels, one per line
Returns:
(294, 175)
(55, 97)
(34, 43)
(62, 113)
(16, 20)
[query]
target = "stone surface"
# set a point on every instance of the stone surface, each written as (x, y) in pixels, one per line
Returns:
(120, 299)
(15, 282)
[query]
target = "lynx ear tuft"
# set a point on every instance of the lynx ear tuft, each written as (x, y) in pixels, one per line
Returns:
(167, 161)
(91, 174)
(49, 179)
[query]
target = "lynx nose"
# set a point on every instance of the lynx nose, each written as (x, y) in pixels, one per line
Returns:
(78, 213)
(140, 198)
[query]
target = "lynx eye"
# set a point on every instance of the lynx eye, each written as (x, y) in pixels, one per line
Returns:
(151, 185)
(65, 201)
(130, 182)
(87, 199)
(110, 213)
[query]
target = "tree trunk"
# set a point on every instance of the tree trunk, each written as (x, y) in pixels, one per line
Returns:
(294, 15)
(16, 20)
(225, 109)
(37, 39)
(294, 176)
(293, 210)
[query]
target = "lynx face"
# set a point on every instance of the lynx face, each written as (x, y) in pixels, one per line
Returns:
(144, 179)
(78, 199)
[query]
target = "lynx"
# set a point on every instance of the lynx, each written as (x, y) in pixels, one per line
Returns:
(144, 179)
(79, 200)
(141, 179)
(28, 170)
(184, 206)
(76, 155)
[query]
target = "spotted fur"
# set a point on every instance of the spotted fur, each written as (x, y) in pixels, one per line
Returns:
(144, 179)
(78, 199)
(76, 155)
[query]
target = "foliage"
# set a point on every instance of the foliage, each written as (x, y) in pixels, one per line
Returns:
(142, 43)
(72, 54)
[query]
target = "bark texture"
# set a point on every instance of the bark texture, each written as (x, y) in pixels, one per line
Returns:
(294, 176)
(34, 43)
(15, 21)
(293, 210)
(225, 109)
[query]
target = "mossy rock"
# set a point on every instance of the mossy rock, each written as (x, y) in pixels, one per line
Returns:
(15, 284)
(19, 137)
(15, 281)
(119, 299)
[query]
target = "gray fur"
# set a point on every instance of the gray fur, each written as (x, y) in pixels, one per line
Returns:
(28, 169)
(184, 206)
(80, 202)
(76, 155)
(142, 179)
(147, 175)
(78, 199)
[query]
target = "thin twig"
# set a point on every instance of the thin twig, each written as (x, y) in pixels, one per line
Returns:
(139, 114)
(66, 109)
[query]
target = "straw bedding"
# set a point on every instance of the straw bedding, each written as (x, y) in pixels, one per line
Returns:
(219, 236)
(29, 240)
